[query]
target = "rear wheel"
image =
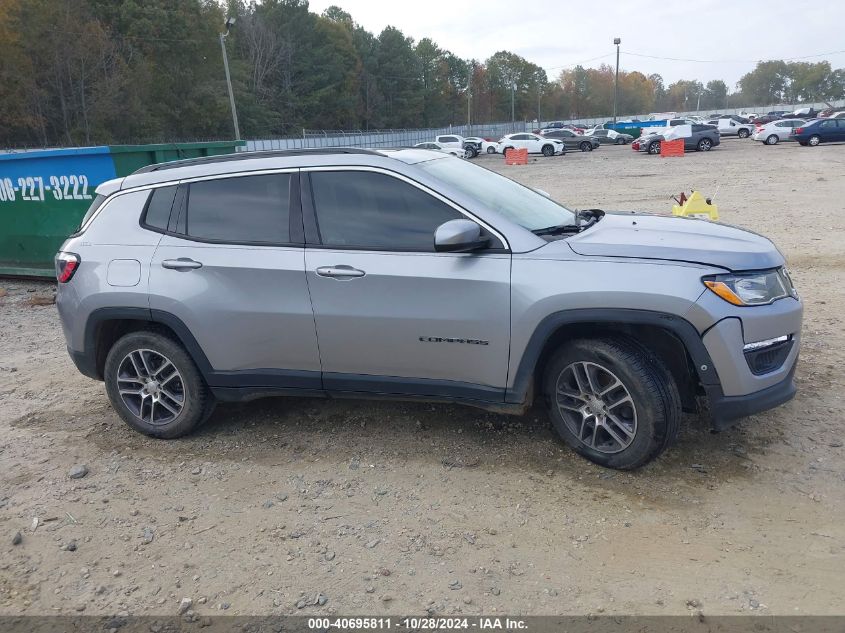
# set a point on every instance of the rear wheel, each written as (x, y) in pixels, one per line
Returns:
(548, 150)
(611, 401)
(743, 133)
(585, 146)
(705, 145)
(814, 140)
(491, 150)
(772, 139)
(155, 387)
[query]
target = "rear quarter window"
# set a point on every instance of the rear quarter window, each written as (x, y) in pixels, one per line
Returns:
(159, 204)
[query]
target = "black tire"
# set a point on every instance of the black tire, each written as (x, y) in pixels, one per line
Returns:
(654, 147)
(814, 140)
(656, 402)
(506, 150)
(548, 150)
(743, 133)
(705, 145)
(197, 404)
(620, 141)
(586, 146)
(772, 139)
(491, 150)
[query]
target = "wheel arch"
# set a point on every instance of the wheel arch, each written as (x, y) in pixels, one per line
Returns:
(106, 325)
(671, 338)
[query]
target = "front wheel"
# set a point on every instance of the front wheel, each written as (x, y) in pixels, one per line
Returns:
(611, 401)
(155, 387)
(548, 150)
(772, 139)
(654, 147)
(814, 140)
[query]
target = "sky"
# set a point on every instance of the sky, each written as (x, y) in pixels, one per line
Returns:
(726, 36)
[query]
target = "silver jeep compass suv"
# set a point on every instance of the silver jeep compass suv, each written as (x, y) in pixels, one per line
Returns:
(410, 274)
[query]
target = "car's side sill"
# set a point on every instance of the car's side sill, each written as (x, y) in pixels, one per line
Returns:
(243, 394)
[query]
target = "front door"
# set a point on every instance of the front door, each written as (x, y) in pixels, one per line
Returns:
(393, 315)
(231, 271)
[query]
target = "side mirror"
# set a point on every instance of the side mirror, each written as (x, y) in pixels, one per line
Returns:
(459, 236)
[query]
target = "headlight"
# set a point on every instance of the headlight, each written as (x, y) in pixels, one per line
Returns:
(752, 288)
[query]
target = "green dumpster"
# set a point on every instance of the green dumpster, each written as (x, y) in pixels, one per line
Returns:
(45, 193)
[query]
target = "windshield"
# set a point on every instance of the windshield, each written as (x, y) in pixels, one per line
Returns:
(517, 203)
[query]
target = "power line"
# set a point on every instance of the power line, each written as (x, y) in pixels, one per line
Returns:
(730, 61)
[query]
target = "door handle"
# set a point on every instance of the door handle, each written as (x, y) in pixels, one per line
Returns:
(183, 263)
(340, 272)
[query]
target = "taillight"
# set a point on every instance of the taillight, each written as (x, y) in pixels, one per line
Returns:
(798, 130)
(66, 265)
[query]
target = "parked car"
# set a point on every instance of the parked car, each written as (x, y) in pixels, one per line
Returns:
(805, 113)
(466, 152)
(820, 131)
(778, 113)
(730, 127)
(534, 143)
(610, 137)
(776, 131)
(484, 146)
(703, 138)
(573, 140)
(488, 294)
(829, 112)
(457, 142)
(837, 115)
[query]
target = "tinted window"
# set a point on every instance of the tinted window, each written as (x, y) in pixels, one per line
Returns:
(520, 137)
(370, 210)
(600, 133)
(448, 139)
(242, 209)
(828, 124)
(158, 207)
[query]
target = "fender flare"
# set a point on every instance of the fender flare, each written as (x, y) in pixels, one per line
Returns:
(680, 327)
(103, 315)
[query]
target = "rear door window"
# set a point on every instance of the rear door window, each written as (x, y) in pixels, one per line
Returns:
(243, 209)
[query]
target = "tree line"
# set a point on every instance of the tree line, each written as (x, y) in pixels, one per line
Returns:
(77, 72)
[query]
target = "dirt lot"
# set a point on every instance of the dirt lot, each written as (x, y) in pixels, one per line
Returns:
(408, 508)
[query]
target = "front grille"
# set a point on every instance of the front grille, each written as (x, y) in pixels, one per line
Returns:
(768, 359)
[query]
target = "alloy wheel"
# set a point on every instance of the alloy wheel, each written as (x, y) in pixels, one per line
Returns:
(596, 407)
(151, 387)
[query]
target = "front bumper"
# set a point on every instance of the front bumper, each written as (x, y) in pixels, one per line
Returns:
(750, 380)
(726, 409)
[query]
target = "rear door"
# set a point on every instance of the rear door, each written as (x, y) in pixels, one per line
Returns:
(392, 314)
(230, 267)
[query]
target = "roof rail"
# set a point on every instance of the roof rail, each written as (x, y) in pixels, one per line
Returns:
(225, 158)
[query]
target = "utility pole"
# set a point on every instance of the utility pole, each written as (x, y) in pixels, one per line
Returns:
(539, 95)
(513, 111)
(616, 41)
(469, 96)
(230, 22)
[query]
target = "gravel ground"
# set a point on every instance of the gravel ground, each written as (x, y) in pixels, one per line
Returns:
(350, 507)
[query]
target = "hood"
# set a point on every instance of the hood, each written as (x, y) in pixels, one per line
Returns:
(646, 236)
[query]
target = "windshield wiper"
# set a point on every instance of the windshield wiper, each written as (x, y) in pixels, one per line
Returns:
(558, 229)
(590, 215)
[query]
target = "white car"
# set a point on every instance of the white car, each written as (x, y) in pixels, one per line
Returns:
(483, 146)
(777, 131)
(460, 152)
(729, 127)
(532, 142)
